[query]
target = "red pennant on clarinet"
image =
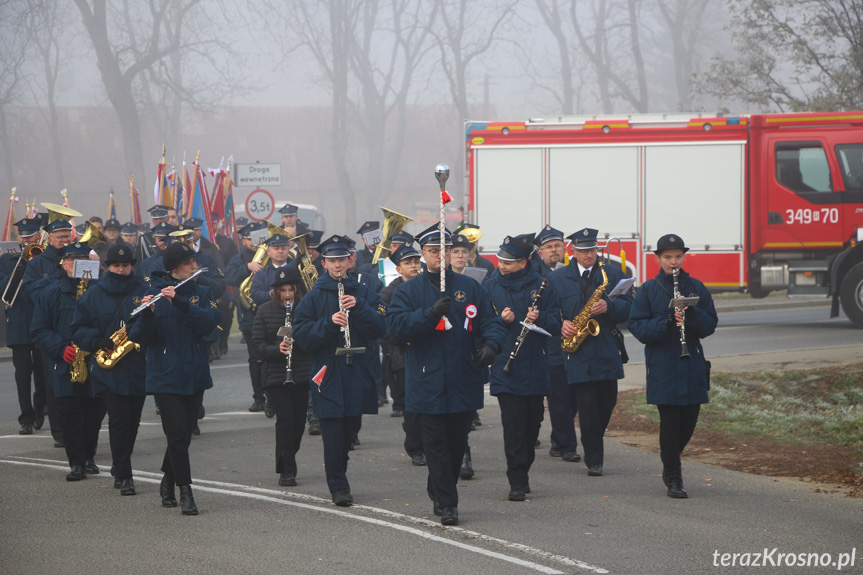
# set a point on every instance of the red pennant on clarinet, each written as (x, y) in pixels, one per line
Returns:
(441, 326)
(319, 377)
(445, 197)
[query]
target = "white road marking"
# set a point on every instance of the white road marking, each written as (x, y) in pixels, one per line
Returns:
(314, 504)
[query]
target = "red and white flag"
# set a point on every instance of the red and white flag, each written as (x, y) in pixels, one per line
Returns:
(319, 377)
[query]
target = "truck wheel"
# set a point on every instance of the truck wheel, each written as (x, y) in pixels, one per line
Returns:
(758, 293)
(851, 294)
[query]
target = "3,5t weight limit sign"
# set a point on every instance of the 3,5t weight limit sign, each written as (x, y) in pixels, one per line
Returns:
(260, 205)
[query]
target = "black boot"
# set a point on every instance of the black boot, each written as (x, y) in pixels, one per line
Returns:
(466, 471)
(675, 483)
(166, 490)
(187, 501)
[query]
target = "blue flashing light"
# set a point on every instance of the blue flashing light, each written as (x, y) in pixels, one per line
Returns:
(475, 126)
(733, 120)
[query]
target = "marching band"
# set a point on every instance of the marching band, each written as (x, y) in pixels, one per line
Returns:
(541, 328)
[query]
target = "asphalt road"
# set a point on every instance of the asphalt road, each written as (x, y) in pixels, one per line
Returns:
(619, 523)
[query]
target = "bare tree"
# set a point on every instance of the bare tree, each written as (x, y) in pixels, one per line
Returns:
(792, 55)
(470, 29)
(13, 54)
(51, 38)
(684, 19)
(605, 46)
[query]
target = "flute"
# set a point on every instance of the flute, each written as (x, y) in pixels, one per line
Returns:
(159, 295)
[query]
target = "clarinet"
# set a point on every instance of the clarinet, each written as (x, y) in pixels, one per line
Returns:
(524, 330)
(289, 372)
(684, 351)
(347, 328)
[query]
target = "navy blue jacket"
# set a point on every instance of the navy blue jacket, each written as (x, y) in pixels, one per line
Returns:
(40, 271)
(345, 391)
(262, 281)
(18, 317)
(671, 380)
(441, 372)
(99, 314)
(174, 338)
(529, 375)
(552, 344)
(212, 278)
(54, 308)
(236, 272)
(373, 347)
(598, 357)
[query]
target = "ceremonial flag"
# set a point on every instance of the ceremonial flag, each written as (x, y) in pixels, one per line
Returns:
(218, 206)
(8, 233)
(162, 189)
(199, 204)
(136, 202)
(229, 228)
(112, 209)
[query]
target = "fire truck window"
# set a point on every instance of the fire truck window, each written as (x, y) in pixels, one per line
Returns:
(851, 163)
(803, 168)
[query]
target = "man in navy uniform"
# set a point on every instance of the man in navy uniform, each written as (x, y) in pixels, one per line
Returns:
(278, 249)
(520, 388)
(25, 357)
(345, 388)
(41, 271)
(562, 404)
(112, 229)
(129, 234)
(291, 220)
(365, 255)
(160, 237)
(147, 244)
(676, 386)
(444, 369)
(80, 412)
(239, 268)
(595, 366)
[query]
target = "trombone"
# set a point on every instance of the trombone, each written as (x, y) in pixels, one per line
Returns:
(28, 252)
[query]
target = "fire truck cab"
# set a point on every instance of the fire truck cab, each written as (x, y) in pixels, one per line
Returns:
(764, 202)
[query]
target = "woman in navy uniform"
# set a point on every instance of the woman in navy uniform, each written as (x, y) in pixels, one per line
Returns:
(173, 331)
(444, 370)
(25, 357)
(101, 312)
(288, 400)
(81, 412)
(520, 392)
(343, 391)
(595, 366)
(675, 385)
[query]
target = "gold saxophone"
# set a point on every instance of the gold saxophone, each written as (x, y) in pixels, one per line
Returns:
(583, 322)
(78, 369)
(122, 347)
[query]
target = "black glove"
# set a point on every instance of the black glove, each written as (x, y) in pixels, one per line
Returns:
(103, 343)
(670, 321)
(441, 307)
(486, 356)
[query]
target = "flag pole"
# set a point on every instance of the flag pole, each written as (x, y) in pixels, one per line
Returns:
(8, 226)
(441, 173)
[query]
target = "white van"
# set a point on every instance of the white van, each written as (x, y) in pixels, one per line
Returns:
(308, 213)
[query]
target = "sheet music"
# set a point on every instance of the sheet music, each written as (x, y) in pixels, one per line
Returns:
(622, 286)
(83, 266)
(476, 273)
(10, 248)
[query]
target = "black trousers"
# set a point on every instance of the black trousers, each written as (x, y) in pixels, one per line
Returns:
(289, 403)
(676, 426)
(338, 434)
(396, 381)
(80, 421)
(413, 439)
(562, 407)
(596, 401)
(254, 368)
(53, 409)
(27, 362)
(444, 438)
(179, 416)
(124, 418)
(226, 307)
(521, 416)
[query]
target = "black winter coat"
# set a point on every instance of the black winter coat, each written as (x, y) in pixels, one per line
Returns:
(268, 320)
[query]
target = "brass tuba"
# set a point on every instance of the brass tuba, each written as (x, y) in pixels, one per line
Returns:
(262, 258)
(393, 224)
(583, 322)
(304, 265)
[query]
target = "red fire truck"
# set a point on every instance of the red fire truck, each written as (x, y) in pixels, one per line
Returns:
(765, 202)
